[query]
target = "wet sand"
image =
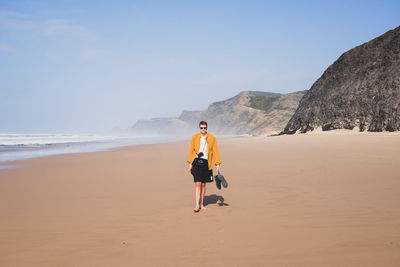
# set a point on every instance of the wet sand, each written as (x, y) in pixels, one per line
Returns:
(301, 200)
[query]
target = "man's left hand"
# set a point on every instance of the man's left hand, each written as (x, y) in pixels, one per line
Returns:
(218, 170)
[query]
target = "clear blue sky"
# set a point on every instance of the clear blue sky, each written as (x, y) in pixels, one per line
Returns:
(87, 66)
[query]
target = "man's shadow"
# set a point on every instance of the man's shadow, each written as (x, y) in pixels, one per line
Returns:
(214, 199)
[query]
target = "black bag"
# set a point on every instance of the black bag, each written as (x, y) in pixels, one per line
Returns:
(200, 162)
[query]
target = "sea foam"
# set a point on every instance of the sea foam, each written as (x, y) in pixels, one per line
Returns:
(24, 146)
(46, 139)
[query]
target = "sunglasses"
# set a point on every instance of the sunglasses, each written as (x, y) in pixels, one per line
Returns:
(203, 128)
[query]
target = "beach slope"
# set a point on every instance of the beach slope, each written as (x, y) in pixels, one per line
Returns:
(301, 200)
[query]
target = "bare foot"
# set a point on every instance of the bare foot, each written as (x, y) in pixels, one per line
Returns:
(203, 208)
(197, 209)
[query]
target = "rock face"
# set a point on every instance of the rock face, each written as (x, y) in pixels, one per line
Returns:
(249, 112)
(360, 90)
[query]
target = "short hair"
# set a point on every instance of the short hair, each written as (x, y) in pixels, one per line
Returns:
(203, 123)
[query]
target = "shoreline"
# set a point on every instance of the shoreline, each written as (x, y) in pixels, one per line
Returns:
(19, 163)
(6, 164)
(25, 152)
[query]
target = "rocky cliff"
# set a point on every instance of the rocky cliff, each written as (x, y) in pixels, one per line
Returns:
(249, 112)
(360, 90)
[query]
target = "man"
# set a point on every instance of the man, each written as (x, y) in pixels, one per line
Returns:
(202, 154)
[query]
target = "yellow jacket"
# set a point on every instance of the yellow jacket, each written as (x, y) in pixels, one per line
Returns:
(212, 149)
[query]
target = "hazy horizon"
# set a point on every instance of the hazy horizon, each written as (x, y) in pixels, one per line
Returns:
(72, 67)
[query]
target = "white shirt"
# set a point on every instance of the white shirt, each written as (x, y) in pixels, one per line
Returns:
(203, 146)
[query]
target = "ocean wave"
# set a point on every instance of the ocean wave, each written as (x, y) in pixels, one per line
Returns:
(7, 139)
(25, 146)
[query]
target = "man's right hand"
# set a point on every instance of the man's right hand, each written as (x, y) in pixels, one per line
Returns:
(190, 167)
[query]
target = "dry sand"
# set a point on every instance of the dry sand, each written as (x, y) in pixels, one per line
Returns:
(302, 200)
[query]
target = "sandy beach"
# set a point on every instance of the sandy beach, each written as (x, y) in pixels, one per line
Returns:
(301, 200)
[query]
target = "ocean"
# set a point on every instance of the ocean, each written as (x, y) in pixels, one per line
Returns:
(24, 146)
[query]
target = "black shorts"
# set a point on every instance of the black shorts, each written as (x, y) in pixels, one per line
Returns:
(202, 173)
